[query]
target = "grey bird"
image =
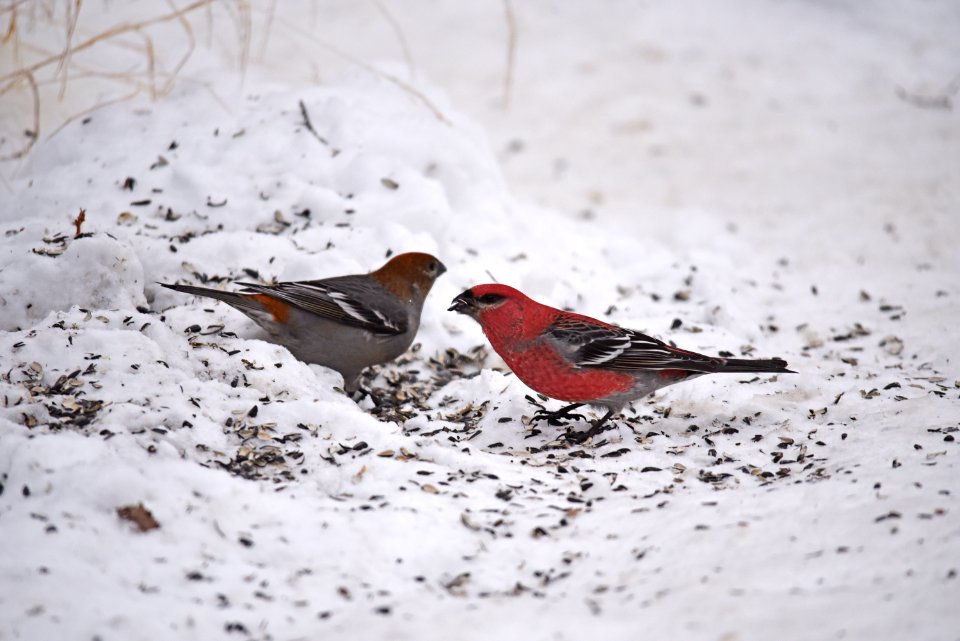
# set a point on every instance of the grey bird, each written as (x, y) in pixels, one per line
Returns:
(346, 323)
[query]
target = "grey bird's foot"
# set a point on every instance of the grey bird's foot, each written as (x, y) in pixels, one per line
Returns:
(359, 393)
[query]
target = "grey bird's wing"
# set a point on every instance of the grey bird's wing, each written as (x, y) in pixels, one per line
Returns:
(356, 300)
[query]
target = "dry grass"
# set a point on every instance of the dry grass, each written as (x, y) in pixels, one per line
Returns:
(296, 30)
(401, 38)
(98, 60)
(31, 70)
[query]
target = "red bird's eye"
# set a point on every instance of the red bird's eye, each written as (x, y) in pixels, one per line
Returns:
(490, 299)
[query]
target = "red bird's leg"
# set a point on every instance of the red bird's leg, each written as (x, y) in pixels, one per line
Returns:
(595, 428)
(555, 418)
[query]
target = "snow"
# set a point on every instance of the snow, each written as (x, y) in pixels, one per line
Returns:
(757, 179)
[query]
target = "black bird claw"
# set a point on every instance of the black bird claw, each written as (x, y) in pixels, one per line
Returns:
(577, 438)
(596, 427)
(557, 417)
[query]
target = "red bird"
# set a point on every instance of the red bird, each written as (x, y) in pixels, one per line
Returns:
(582, 360)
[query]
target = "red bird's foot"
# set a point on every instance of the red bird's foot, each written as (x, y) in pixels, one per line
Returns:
(597, 427)
(557, 418)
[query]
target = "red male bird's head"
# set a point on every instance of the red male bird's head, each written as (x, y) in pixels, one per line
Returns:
(503, 310)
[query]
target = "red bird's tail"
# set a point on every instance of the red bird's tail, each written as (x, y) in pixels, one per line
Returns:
(771, 365)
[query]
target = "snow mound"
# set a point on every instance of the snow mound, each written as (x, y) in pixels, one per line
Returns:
(286, 510)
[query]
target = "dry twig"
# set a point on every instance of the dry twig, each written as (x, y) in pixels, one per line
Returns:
(511, 52)
(309, 125)
(413, 91)
(78, 221)
(411, 69)
(33, 133)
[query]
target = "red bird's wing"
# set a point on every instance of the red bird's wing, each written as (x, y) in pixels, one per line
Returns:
(609, 347)
(358, 301)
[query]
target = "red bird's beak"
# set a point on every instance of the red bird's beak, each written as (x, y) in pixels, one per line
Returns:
(465, 303)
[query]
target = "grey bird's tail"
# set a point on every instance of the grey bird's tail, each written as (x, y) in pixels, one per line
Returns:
(744, 365)
(231, 298)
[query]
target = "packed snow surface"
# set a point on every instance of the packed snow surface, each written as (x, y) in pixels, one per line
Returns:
(820, 505)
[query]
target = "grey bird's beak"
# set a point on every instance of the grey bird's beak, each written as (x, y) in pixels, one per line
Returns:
(465, 303)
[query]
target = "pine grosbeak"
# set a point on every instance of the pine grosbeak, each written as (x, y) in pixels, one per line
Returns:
(582, 360)
(345, 323)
